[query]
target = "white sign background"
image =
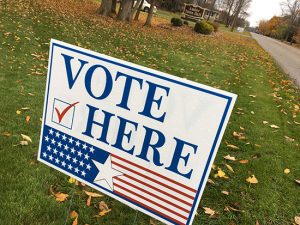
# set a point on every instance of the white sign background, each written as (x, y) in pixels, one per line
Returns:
(195, 113)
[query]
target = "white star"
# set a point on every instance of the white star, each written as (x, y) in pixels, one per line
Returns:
(46, 138)
(75, 160)
(51, 157)
(59, 144)
(83, 173)
(57, 160)
(48, 148)
(68, 157)
(53, 141)
(73, 150)
(66, 147)
(81, 163)
(63, 164)
(45, 154)
(77, 143)
(57, 134)
(86, 156)
(55, 151)
(84, 146)
(64, 137)
(92, 149)
(79, 153)
(61, 154)
(70, 167)
(76, 170)
(51, 131)
(71, 140)
(106, 173)
(88, 167)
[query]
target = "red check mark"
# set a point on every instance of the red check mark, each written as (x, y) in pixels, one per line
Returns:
(62, 114)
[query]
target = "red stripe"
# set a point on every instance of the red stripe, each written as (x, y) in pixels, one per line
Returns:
(154, 173)
(157, 189)
(149, 208)
(151, 201)
(152, 194)
(153, 180)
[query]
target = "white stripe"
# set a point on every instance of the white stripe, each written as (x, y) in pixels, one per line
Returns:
(171, 192)
(149, 204)
(148, 196)
(166, 182)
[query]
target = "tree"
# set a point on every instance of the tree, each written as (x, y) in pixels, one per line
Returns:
(150, 13)
(291, 10)
(114, 7)
(105, 7)
(242, 5)
(125, 10)
(137, 14)
(229, 6)
(211, 9)
(134, 10)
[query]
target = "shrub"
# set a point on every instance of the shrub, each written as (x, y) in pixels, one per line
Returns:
(215, 25)
(176, 22)
(186, 22)
(203, 28)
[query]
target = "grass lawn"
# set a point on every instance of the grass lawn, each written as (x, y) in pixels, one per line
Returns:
(227, 61)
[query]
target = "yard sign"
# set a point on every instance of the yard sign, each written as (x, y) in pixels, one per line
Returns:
(143, 137)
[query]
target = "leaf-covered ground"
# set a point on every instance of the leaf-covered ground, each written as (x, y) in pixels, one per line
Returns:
(254, 180)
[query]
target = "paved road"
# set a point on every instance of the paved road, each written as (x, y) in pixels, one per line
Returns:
(287, 57)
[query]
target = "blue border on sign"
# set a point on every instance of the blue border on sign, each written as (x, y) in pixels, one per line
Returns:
(229, 100)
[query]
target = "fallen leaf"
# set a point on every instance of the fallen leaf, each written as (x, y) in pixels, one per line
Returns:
(60, 197)
(229, 167)
(74, 215)
(151, 222)
(232, 146)
(210, 181)
(27, 119)
(253, 96)
(6, 133)
(73, 180)
(238, 135)
(297, 220)
(25, 108)
(88, 201)
(26, 138)
(225, 192)
(252, 180)
(244, 161)
(103, 209)
(92, 194)
(209, 211)
(18, 112)
(23, 143)
(297, 181)
(274, 126)
(228, 157)
(229, 208)
(289, 139)
(286, 171)
(221, 174)
(257, 223)
(265, 122)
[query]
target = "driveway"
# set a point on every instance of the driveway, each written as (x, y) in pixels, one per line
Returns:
(286, 56)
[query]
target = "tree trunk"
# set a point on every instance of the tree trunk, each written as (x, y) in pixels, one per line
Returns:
(236, 16)
(105, 7)
(125, 9)
(135, 8)
(150, 14)
(228, 14)
(137, 15)
(114, 7)
(211, 9)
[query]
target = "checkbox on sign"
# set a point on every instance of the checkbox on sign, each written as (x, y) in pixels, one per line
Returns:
(63, 113)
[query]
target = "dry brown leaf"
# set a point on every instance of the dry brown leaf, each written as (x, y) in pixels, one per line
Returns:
(23, 143)
(27, 119)
(103, 213)
(297, 181)
(297, 220)
(225, 192)
(252, 180)
(233, 146)
(287, 171)
(60, 197)
(228, 157)
(229, 208)
(289, 139)
(210, 181)
(6, 134)
(209, 211)
(238, 135)
(151, 222)
(244, 161)
(26, 138)
(257, 223)
(74, 215)
(103, 209)
(229, 167)
(88, 201)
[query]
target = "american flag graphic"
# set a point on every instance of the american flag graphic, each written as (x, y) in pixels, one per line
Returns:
(132, 182)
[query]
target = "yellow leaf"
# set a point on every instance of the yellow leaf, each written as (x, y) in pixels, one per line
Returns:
(245, 161)
(92, 194)
(209, 211)
(297, 220)
(210, 181)
(104, 212)
(229, 167)
(88, 201)
(286, 171)
(27, 119)
(228, 157)
(60, 197)
(265, 122)
(18, 112)
(103, 209)
(297, 181)
(233, 146)
(74, 215)
(26, 138)
(221, 174)
(23, 143)
(274, 126)
(6, 133)
(225, 192)
(252, 180)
